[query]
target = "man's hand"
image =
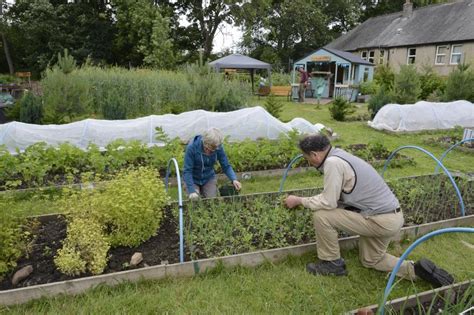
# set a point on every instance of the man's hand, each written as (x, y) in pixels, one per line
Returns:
(237, 184)
(293, 201)
(194, 196)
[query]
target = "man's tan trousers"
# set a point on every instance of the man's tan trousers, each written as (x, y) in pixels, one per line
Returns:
(375, 234)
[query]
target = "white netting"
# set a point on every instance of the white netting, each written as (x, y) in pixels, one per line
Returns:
(424, 116)
(252, 123)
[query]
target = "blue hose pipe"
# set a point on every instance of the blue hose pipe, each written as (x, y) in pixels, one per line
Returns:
(388, 288)
(458, 193)
(180, 205)
(449, 150)
(296, 158)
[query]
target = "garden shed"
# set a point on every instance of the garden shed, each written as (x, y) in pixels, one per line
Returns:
(239, 61)
(335, 71)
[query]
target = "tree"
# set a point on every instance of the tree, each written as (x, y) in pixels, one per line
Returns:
(205, 17)
(6, 49)
(142, 35)
(291, 28)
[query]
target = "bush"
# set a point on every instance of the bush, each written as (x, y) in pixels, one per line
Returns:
(385, 77)
(273, 106)
(368, 88)
(407, 85)
(129, 208)
(431, 83)
(31, 109)
(340, 108)
(84, 249)
(460, 84)
(379, 100)
(12, 240)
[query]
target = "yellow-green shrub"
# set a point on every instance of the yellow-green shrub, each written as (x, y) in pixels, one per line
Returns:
(131, 206)
(84, 249)
(12, 240)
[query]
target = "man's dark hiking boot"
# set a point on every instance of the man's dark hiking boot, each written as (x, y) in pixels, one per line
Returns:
(326, 268)
(428, 271)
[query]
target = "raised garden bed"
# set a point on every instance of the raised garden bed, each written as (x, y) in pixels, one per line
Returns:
(452, 299)
(224, 226)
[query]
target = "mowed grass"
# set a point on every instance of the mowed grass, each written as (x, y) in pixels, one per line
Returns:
(282, 288)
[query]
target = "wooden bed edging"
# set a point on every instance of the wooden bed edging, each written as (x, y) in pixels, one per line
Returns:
(188, 269)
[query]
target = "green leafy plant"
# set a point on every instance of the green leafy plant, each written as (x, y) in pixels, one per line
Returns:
(66, 63)
(31, 108)
(460, 84)
(12, 240)
(340, 108)
(407, 87)
(273, 106)
(431, 83)
(385, 77)
(84, 249)
(379, 100)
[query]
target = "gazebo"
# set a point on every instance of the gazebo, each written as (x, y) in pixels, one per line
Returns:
(238, 61)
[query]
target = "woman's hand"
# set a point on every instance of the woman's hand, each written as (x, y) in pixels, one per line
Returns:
(293, 201)
(237, 184)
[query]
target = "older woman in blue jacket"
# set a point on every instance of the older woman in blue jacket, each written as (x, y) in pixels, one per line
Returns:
(202, 153)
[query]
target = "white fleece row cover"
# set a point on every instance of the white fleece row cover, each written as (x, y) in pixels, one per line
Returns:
(251, 123)
(424, 116)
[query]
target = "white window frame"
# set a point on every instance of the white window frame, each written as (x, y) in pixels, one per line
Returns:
(369, 58)
(452, 54)
(411, 56)
(438, 54)
(381, 56)
(366, 54)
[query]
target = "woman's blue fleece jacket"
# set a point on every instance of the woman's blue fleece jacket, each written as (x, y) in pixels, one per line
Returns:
(199, 167)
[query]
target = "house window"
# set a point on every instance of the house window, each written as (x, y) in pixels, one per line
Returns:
(372, 56)
(363, 55)
(381, 56)
(456, 54)
(411, 55)
(441, 52)
(366, 74)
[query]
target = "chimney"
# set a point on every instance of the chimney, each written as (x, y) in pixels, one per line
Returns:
(407, 9)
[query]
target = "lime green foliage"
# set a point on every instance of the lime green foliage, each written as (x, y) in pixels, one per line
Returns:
(384, 77)
(432, 85)
(31, 108)
(84, 249)
(460, 85)
(129, 208)
(12, 238)
(340, 108)
(66, 64)
(273, 105)
(119, 93)
(368, 87)
(407, 87)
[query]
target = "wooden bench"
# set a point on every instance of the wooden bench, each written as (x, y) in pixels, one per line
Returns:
(277, 90)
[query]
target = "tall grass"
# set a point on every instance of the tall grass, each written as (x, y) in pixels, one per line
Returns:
(118, 93)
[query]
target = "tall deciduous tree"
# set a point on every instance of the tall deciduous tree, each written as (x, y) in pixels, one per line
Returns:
(290, 28)
(143, 34)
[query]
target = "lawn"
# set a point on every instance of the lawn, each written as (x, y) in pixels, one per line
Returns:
(284, 287)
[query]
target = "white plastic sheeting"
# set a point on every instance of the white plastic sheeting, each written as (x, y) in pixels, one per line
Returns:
(424, 116)
(252, 123)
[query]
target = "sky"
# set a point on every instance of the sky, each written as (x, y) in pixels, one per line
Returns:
(227, 36)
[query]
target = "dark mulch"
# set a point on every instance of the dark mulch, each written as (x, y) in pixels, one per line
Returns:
(51, 230)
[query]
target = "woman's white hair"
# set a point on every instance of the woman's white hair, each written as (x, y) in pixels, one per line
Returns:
(213, 137)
